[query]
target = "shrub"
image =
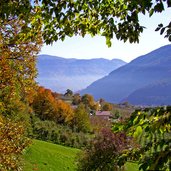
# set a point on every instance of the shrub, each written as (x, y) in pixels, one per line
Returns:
(102, 152)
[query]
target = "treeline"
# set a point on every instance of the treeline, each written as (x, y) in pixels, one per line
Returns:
(65, 123)
(47, 106)
(55, 120)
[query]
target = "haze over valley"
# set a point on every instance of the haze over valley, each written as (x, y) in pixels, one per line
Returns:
(60, 74)
(144, 81)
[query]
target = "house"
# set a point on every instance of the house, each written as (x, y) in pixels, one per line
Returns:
(104, 114)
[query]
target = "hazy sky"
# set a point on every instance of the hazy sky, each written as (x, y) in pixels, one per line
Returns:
(88, 47)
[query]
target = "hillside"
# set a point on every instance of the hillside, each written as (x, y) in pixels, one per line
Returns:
(45, 156)
(145, 70)
(155, 94)
(60, 74)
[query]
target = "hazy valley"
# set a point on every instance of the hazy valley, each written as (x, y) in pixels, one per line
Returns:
(59, 74)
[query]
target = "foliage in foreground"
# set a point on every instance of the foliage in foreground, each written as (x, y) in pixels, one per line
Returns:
(20, 41)
(119, 18)
(17, 65)
(46, 156)
(102, 152)
(17, 85)
(151, 128)
(12, 144)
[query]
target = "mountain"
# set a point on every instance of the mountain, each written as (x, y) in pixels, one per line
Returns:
(60, 74)
(154, 94)
(142, 72)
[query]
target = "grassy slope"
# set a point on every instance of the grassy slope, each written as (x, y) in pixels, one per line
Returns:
(45, 156)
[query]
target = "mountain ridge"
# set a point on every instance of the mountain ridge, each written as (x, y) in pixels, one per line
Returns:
(59, 74)
(140, 72)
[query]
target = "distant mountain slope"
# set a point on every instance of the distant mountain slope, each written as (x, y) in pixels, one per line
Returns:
(143, 71)
(155, 94)
(60, 74)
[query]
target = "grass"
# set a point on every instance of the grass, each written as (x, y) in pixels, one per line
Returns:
(43, 156)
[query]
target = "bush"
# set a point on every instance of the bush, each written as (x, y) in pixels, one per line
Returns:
(102, 152)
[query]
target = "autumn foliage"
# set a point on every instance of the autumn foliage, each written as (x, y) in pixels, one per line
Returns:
(17, 64)
(18, 54)
(89, 102)
(46, 107)
(12, 144)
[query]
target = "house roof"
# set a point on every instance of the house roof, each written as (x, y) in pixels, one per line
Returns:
(103, 113)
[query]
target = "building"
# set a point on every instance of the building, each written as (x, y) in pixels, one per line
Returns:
(104, 114)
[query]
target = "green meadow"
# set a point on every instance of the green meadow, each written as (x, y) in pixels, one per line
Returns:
(46, 156)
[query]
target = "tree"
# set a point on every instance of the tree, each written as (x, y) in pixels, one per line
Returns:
(12, 144)
(103, 151)
(44, 104)
(68, 93)
(17, 64)
(65, 113)
(101, 101)
(76, 99)
(111, 18)
(107, 107)
(81, 119)
(18, 51)
(88, 101)
(46, 107)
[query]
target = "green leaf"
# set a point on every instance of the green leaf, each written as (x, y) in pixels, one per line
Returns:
(108, 42)
(151, 12)
(138, 132)
(135, 121)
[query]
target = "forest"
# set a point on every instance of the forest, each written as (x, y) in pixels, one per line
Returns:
(29, 111)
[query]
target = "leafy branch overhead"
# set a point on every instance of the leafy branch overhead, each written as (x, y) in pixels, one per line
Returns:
(112, 18)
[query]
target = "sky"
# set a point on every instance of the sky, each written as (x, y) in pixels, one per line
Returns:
(88, 47)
